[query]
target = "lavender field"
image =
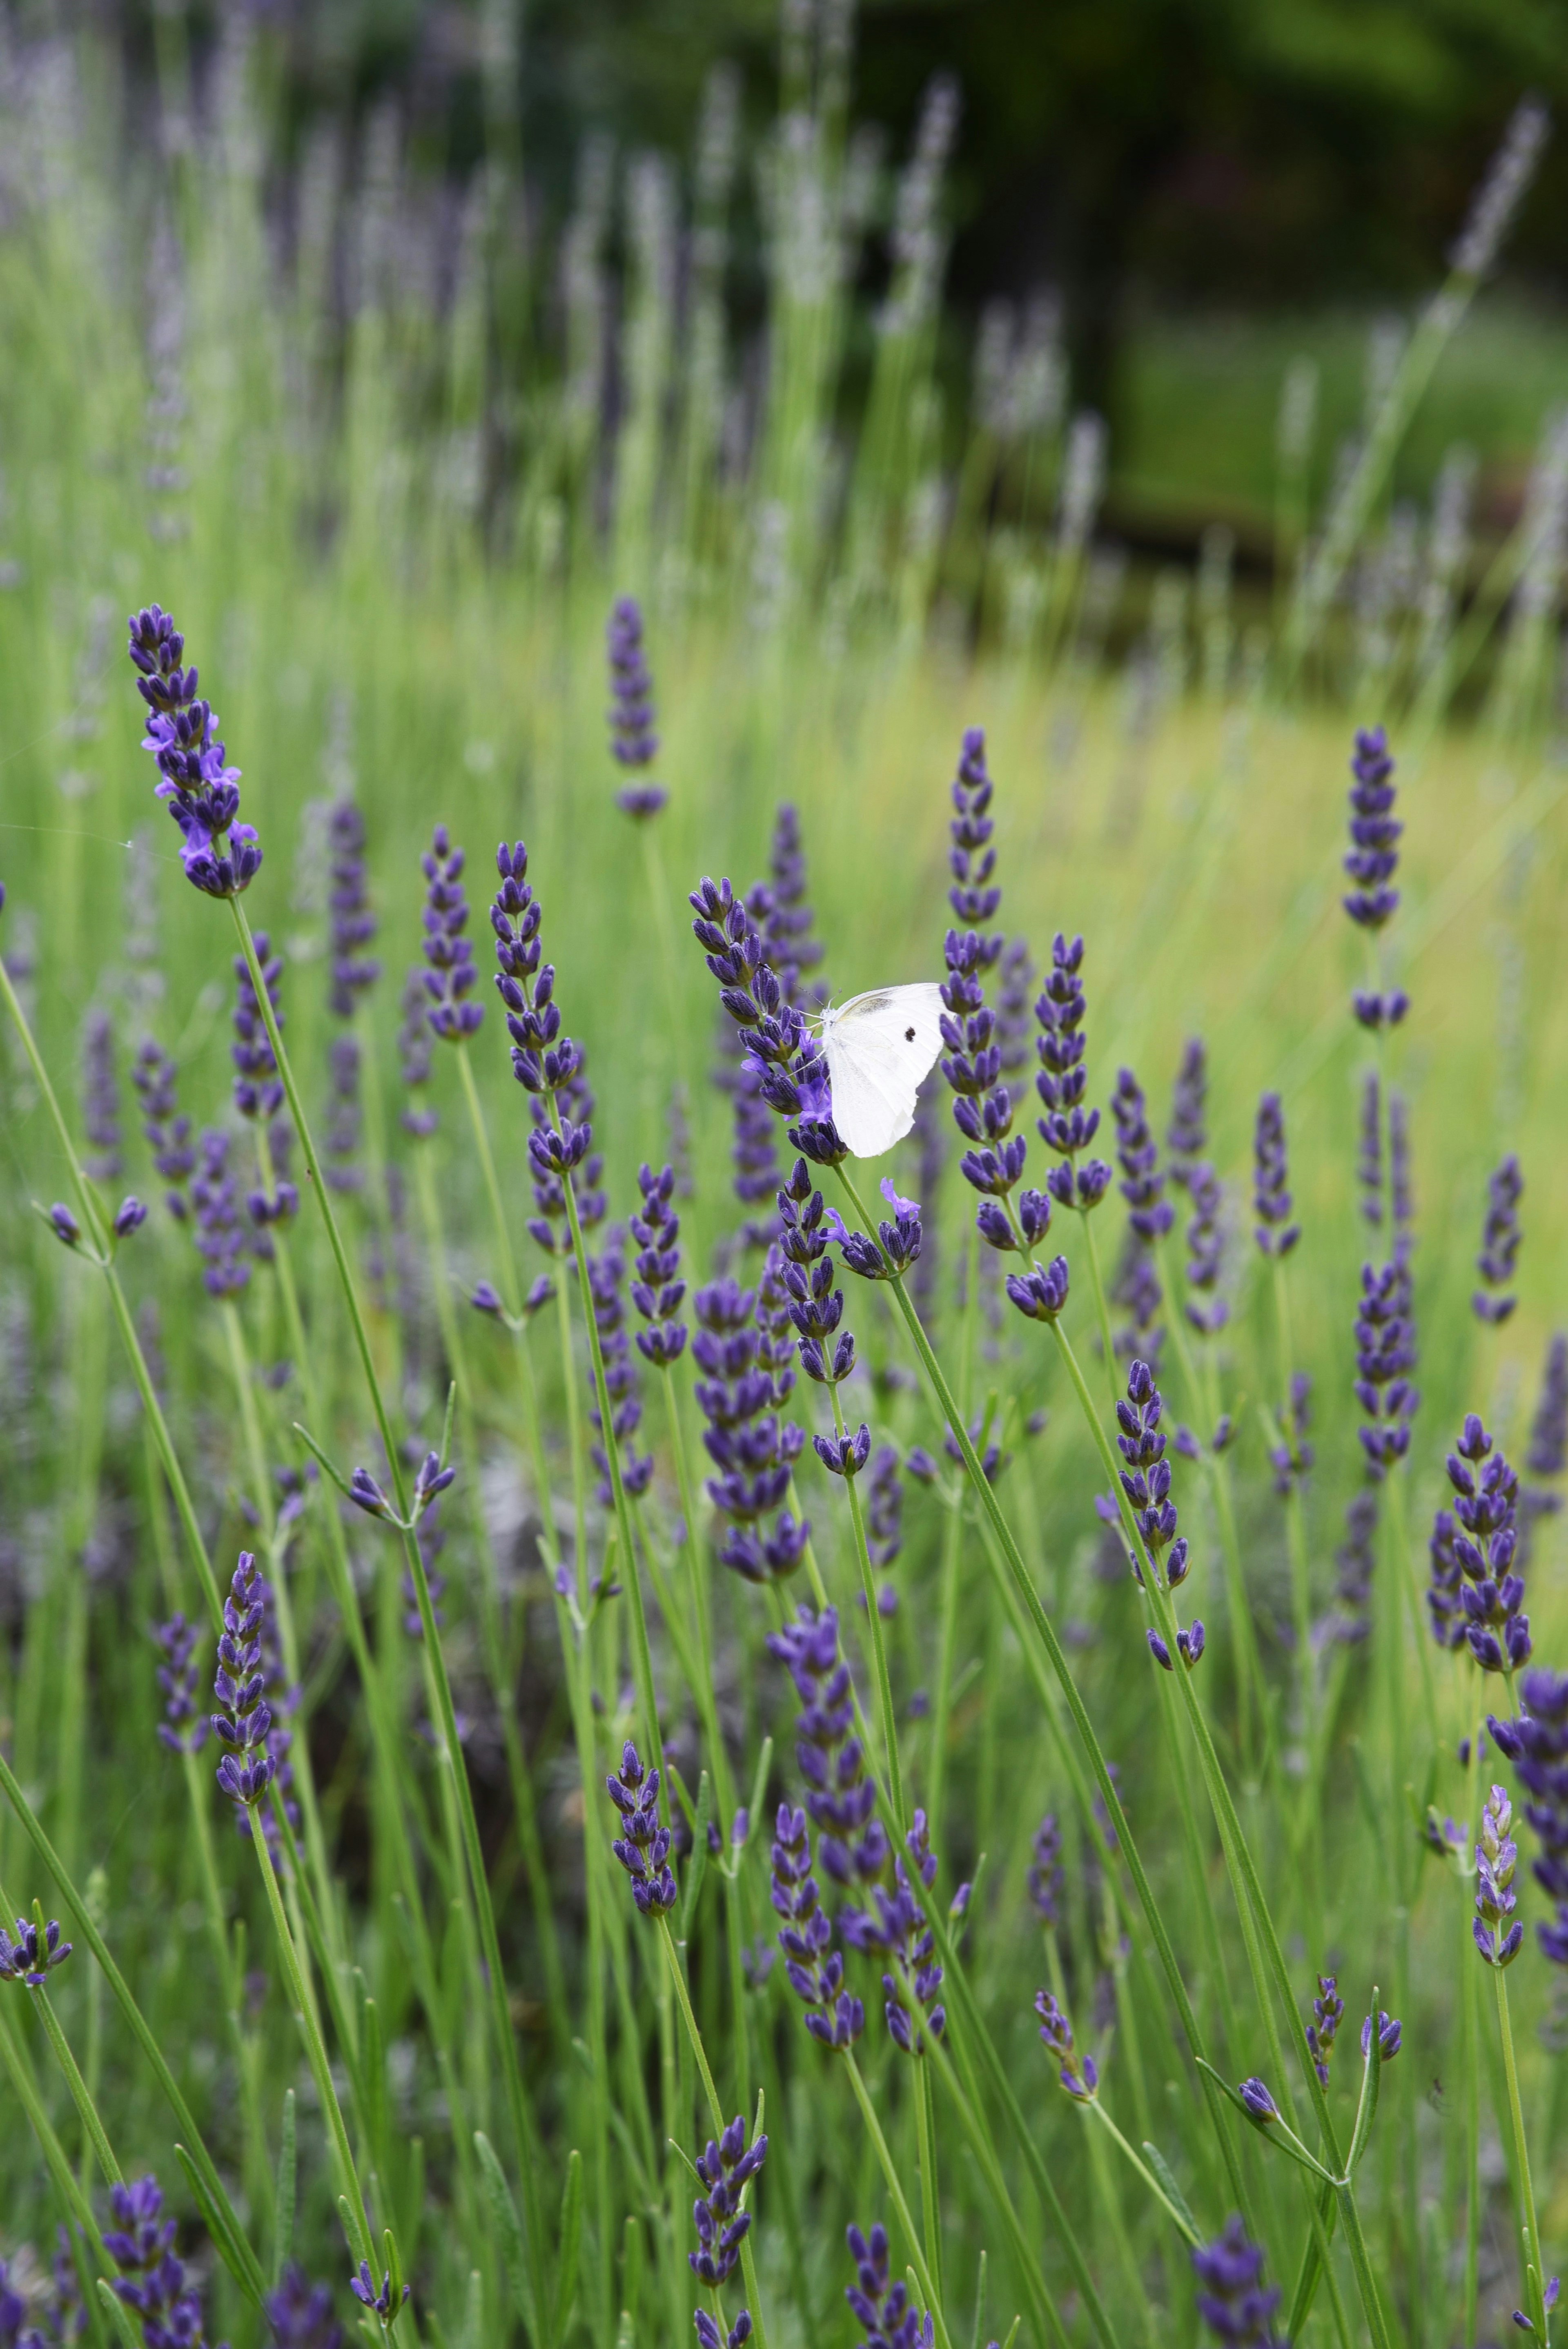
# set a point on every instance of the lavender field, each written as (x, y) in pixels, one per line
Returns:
(613, 1720)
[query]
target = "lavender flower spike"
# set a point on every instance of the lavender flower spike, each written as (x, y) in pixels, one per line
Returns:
(883, 2307)
(725, 2168)
(33, 1956)
(1499, 1256)
(633, 742)
(352, 922)
(246, 1770)
(153, 2279)
(642, 1848)
(1233, 2301)
(1371, 863)
(815, 1968)
(1082, 2085)
(1146, 1481)
(449, 952)
(220, 855)
(1496, 1858)
(1484, 1547)
(1537, 1746)
(1275, 1232)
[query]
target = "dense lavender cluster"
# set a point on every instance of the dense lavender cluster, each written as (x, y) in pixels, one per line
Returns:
(726, 2168)
(740, 1392)
(885, 2308)
(658, 1291)
(1371, 864)
(1233, 2301)
(450, 973)
(633, 742)
(184, 1726)
(782, 1058)
(814, 1967)
(1146, 1482)
(842, 1795)
(1080, 2075)
(152, 2282)
(246, 1770)
(642, 1846)
(1536, 1742)
(607, 1282)
(258, 1087)
(220, 1236)
(1477, 1594)
(1385, 1357)
(164, 1127)
(220, 855)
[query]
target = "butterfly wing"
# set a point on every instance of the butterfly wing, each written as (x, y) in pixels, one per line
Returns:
(879, 1047)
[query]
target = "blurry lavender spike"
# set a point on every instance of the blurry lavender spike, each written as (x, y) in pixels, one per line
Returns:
(246, 1770)
(1143, 1182)
(1047, 1878)
(1187, 1134)
(1233, 2299)
(64, 1225)
(1536, 1742)
(129, 1217)
(1496, 1859)
(258, 1088)
(918, 240)
(1293, 1456)
(633, 742)
(1082, 481)
(300, 2312)
(1502, 191)
(1385, 1356)
(182, 1727)
(840, 1791)
(753, 1450)
(1484, 1542)
(220, 855)
(33, 1956)
(432, 1540)
(101, 1099)
(353, 973)
(642, 1847)
(1066, 1127)
(974, 895)
(1274, 1233)
(1082, 2083)
(885, 1520)
(1207, 1311)
(1548, 1450)
(1369, 1161)
(606, 1279)
(1374, 855)
(910, 2006)
(992, 1459)
(154, 1075)
(789, 925)
(219, 1233)
(345, 1118)
(1015, 998)
(814, 1968)
(1500, 1244)
(725, 2168)
(781, 1054)
(450, 974)
(658, 1290)
(152, 2280)
(1355, 1564)
(1447, 551)
(1404, 1201)
(885, 2308)
(415, 1055)
(1136, 1289)
(1327, 2013)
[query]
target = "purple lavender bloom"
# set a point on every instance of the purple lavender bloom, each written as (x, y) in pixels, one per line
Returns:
(415, 1056)
(658, 1291)
(1259, 2100)
(129, 1217)
(1496, 1859)
(633, 742)
(1146, 1481)
(450, 973)
(1047, 1878)
(258, 1087)
(1207, 1311)
(885, 2308)
(546, 1062)
(378, 2297)
(101, 1099)
(707, 2333)
(1187, 1134)
(246, 1770)
(782, 1057)
(33, 1956)
(64, 1225)
(184, 1727)
(1078, 2076)
(606, 1279)
(1537, 1746)
(1548, 1450)
(840, 1791)
(740, 1392)
(885, 1521)
(1500, 1244)
(1483, 1544)
(353, 922)
(721, 2224)
(815, 1968)
(1327, 2013)
(1150, 1213)
(1374, 853)
(220, 855)
(219, 1233)
(815, 1307)
(910, 2004)
(1233, 2301)
(300, 2314)
(781, 911)
(844, 1455)
(1136, 1289)
(154, 1076)
(153, 2280)
(642, 1847)
(1385, 1356)
(345, 1118)
(1066, 1127)
(1275, 1232)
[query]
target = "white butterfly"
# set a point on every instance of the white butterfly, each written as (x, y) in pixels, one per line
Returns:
(879, 1047)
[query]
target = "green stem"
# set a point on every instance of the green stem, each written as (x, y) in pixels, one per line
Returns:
(1536, 2280)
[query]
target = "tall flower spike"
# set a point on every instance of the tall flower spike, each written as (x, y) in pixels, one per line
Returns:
(1484, 1547)
(246, 1770)
(353, 922)
(814, 1968)
(1496, 1858)
(1232, 2299)
(450, 973)
(633, 742)
(607, 1278)
(1080, 2075)
(100, 1098)
(545, 1061)
(642, 1846)
(909, 2002)
(782, 1057)
(258, 1087)
(1373, 853)
(1149, 1214)
(1499, 1255)
(183, 1728)
(154, 1075)
(1548, 1452)
(220, 855)
(883, 2307)
(153, 2280)
(300, 2312)
(1327, 2013)
(1047, 1878)
(1537, 1746)
(1385, 1357)
(658, 1291)
(1207, 1310)
(1187, 1134)
(1275, 1232)
(840, 1791)
(1146, 1481)
(416, 1059)
(215, 1206)
(1067, 1128)
(1014, 1008)
(726, 2168)
(739, 1393)
(816, 1309)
